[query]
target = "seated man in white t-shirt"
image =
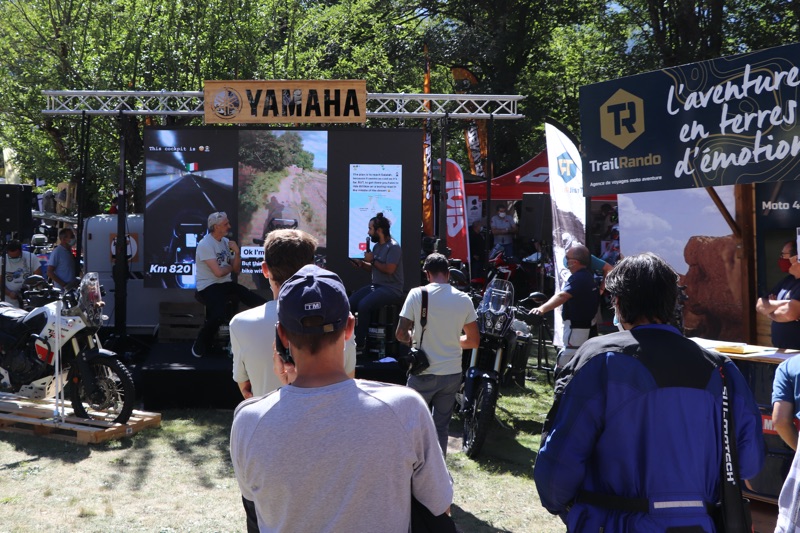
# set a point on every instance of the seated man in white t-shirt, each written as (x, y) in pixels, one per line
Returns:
(216, 258)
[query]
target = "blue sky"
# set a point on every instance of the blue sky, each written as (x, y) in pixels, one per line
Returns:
(662, 221)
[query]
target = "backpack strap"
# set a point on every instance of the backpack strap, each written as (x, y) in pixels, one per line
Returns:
(423, 316)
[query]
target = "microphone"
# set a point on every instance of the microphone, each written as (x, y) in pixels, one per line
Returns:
(368, 241)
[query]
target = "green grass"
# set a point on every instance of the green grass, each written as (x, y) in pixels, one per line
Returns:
(254, 194)
(495, 491)
(180, 478)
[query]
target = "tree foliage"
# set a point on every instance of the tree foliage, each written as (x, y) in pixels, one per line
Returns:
(264, 151)
(543, 50)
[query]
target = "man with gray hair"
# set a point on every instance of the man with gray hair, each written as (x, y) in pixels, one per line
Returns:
(216, 258)
(580, 299)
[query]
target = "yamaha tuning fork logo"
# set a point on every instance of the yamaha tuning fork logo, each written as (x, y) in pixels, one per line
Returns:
(227, 103)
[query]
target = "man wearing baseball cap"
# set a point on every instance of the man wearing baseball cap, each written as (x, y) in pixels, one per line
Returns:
(330, 453)
(216, 258)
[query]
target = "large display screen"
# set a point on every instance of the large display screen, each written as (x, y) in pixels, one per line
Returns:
(268, 179)
(373, 189)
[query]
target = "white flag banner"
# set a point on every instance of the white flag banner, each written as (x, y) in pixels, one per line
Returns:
(569, 205)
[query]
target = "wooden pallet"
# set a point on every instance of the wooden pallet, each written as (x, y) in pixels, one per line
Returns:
(35, 417)
(180, 321)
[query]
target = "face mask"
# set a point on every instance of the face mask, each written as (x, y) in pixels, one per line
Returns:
(501, 215)
(617, 322)
(784, 264)
(72, 242)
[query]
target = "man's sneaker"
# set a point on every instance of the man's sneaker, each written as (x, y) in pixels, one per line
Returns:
(197, 350)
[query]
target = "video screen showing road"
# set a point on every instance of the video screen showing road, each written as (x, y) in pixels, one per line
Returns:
(189, 174)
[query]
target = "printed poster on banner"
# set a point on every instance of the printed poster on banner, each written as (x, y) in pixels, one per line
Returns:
(569, 205)
(457, 238)
(373, 189)
(726, 121)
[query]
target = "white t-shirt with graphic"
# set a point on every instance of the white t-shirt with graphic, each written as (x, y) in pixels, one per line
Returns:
(17, 269)
(211, 248)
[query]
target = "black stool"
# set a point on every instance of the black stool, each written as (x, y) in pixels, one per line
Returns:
(381, 341)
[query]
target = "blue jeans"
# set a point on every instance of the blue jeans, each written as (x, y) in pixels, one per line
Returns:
(364, 301)
(507, 249)
(439, 392)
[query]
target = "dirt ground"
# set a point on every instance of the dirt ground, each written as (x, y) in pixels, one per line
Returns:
(302, 195)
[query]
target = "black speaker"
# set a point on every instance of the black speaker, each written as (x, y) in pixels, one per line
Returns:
(536, 219)
(15, 210)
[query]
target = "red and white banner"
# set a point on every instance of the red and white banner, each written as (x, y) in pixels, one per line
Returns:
(569, 205)
(457, 238)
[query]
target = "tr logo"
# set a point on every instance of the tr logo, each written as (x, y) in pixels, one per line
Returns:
(622, 119)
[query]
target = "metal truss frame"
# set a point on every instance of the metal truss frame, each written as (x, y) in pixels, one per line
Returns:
(190, 104)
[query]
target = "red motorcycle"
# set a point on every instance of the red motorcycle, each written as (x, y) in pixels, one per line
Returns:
(510, 269)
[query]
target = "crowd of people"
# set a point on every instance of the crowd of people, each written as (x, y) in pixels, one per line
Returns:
(633, 441)
(301, 398)
(61, 268)
(638, 439)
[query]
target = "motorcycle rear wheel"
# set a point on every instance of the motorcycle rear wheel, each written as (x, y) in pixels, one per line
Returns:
(115, 395)
(477, 422)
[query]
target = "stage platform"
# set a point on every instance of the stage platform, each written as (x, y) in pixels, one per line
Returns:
(169, 376)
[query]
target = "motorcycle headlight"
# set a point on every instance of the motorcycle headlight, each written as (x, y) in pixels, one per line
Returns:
(488, 323)
(499, 324)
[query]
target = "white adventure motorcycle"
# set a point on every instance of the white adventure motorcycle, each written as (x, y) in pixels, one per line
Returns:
(55, 346)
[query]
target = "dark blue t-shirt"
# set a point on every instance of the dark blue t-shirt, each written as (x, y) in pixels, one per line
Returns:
(786, 385)
(582, 307)
(786, 334)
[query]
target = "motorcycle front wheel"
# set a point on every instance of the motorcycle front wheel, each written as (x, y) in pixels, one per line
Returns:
(477, 422)
(114, 394)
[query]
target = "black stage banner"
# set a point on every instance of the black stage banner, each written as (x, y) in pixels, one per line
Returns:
(726, 121)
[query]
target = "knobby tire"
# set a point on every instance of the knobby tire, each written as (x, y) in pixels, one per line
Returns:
(115, 397)
(476, 425)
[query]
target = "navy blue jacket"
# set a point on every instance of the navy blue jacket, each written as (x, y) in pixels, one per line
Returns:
(638, 414)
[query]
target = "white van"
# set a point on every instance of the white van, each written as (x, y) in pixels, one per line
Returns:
(99, 248)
